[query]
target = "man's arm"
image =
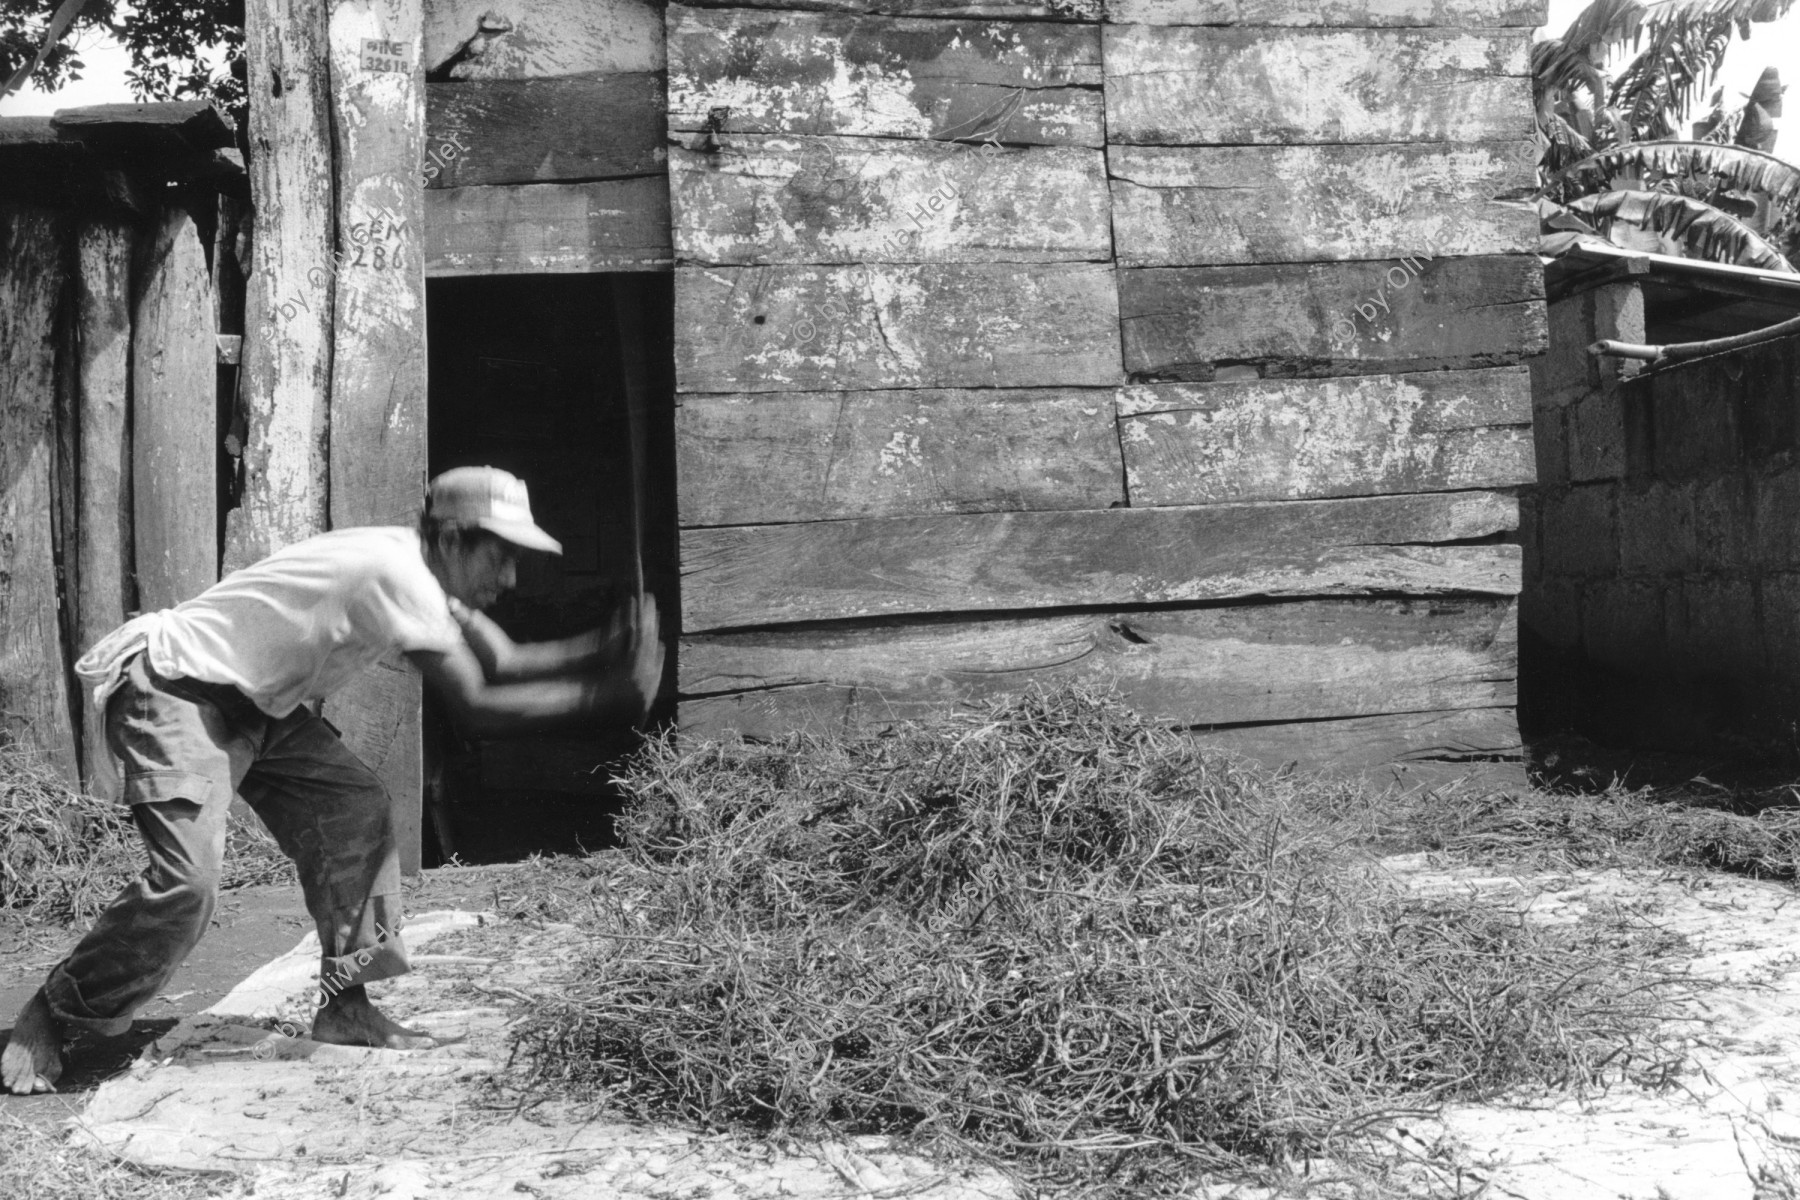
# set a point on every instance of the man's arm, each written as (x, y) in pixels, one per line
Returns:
(484, 707)
(507, 661)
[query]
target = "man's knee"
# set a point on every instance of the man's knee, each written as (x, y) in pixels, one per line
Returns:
(185, 841)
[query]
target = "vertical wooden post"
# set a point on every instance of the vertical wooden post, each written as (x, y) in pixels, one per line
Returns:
(174, 382)
(34, 699)
(103, 553)
(286, 377)
(65, 479)
(378, 445)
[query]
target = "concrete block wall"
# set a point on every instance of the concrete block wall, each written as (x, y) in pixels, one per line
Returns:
(1661, 603)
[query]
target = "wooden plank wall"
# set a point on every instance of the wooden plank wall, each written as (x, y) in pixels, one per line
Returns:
(106, 588)
(34, 697)
(174, 357)
(1204, 378)
(110, 396)
(544, 147)
(109, 440)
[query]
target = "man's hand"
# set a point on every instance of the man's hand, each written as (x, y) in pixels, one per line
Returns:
(484, 702)
(644, 650)
(627, 694)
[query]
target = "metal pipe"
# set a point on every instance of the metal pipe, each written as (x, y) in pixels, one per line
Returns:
(1682, 351)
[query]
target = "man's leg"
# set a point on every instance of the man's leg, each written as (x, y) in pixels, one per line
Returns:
(330, 813)
(178, 783)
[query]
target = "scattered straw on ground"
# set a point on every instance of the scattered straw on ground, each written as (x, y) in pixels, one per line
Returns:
(1614, 828)
(65, 854)
(38, 1164)
(1051, 932)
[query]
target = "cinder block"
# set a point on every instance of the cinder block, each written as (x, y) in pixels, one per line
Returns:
(1769, 391)
(1617, 311)
(1780, 594)
(1637, 409)
(1656, 530)
(1552, 446)
(1622, 624)
(1722, 526)
(1530, 548)
(1564, 371)
(1577, 532)
(1696, 425)
(1551, 608)
(1715, 630)
(1775, 519)
(1596, 437)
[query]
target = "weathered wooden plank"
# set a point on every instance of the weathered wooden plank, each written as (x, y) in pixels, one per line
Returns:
(174, 419)
(528, 39)
(762, 329)
(169, 126)
(848, 200)
(1017, 10)
(285, 387)
(811, 456)
(1190, 86)
(829, 570)
(1332, 318)
(1445, 14)
(1423, 749)
(611, 225)
(1412, 750)
(103, 551)
(525, 130)
(34, 696)
(1292, 439)
(65, 468)
(1255, 204)
(1307, 660)
(378, 450)
(876, 76)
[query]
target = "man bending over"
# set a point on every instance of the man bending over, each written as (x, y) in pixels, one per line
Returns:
(210, 698)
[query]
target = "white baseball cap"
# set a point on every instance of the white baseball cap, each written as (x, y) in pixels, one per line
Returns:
(488, 498)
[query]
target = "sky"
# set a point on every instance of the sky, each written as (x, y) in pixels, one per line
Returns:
(1774, 44)
(102, 82)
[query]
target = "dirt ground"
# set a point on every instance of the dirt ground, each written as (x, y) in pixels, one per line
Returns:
(241, 1097)
(241, 1093)
(251, 926)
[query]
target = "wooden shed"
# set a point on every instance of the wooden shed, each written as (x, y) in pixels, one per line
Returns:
(120, 321)
(921, 349)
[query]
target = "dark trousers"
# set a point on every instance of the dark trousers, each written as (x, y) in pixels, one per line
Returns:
(185, 748)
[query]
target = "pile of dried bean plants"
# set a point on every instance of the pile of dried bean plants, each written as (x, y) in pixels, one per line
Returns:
(1051, 933)
(65, 854)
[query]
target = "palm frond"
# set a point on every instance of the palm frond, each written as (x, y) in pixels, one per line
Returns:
(1679, 47)
(1560, 68)
(1605, 22)
(1757, 127)
(1717, 125)
(1687, 226)
(1713, 167)
(1667, 74)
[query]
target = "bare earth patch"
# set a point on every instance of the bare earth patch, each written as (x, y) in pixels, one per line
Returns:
(1728, 1126)
(233, 1097)
(233, 1092)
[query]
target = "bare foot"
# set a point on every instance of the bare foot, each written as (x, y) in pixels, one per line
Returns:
(350, 1019)
(33, 1058)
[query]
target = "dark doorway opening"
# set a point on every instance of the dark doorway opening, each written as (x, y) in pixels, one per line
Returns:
(568, 382)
